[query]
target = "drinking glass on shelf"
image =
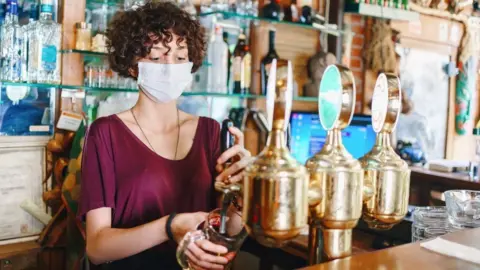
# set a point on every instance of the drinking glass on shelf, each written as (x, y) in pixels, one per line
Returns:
(89, 76)
(133, 4)
(133, 84)
(102, 76)
(232, 239)
(463, 208)
(247, 7)
(113, 79)
(219, 5)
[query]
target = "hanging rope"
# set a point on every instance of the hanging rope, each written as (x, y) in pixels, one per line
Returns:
(380, 53)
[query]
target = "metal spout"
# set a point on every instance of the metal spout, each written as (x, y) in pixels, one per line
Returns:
(337, 243)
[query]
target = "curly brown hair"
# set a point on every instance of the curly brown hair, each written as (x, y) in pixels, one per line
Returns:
(131, 35)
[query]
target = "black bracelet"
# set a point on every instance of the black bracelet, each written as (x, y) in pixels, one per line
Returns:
(168, 226)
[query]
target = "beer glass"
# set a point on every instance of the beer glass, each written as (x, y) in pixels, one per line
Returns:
(232, 239)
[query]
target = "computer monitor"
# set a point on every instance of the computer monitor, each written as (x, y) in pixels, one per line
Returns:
(307, 135)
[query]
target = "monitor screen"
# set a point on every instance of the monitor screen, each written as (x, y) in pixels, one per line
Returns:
(307, 135)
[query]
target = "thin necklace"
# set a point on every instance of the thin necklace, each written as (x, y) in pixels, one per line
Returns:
(151, 146)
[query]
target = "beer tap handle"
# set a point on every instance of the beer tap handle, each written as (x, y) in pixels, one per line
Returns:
(227, 140)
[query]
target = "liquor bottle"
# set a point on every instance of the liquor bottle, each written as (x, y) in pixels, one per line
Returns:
(188, 6)
(397, 3)
(3, 49)
(306, 15)
(291, 12)
(29, 34)
(242, 61)
(272, 11)
(267, 61)
(229, 59)
(14, 57)
(218, 58)
(45, 61)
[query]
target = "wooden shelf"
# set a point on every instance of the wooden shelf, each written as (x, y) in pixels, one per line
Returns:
(11, 250)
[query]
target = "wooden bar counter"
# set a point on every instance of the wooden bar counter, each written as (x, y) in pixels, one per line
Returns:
(409, 256)
(426, 186)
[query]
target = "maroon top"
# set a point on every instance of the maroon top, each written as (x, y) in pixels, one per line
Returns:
(120, 172)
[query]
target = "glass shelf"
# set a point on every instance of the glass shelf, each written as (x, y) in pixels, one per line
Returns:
(108, 89)
(229, 15)
(83, 52)
(91, 3)
(378, 11)
(37, 85)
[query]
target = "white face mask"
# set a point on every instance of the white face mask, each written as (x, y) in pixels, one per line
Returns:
(164, 82)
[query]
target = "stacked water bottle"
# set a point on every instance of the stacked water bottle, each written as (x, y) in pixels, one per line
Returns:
(461, 211)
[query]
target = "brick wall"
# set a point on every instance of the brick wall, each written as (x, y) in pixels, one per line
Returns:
(358, 26)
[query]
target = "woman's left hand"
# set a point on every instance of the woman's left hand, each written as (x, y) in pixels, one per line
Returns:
(233, 173)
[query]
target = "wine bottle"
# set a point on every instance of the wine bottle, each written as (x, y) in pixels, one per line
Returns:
(272, 10)
(241, 66)
(267, 61)
(306, 16)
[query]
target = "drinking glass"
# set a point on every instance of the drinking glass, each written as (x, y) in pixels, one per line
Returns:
(133, 4)
(463, 208)
(429, 222)
(232, 239)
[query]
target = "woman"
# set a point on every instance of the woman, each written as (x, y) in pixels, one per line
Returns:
(142, 166)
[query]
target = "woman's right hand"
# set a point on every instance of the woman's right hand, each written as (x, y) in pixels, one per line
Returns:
(199, 253)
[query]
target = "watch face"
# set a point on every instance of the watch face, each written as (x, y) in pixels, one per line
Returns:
(330, 97)
(380, 103)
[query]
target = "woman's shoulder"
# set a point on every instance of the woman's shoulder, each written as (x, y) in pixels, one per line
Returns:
(102, 125)
(209, 124)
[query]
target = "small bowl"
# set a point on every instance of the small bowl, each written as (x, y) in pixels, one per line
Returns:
(463, 207)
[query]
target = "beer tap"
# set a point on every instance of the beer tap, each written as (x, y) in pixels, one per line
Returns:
(274, 188)
(387, 176)
(336, 178)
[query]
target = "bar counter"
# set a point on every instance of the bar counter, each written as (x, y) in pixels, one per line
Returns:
(409, 256)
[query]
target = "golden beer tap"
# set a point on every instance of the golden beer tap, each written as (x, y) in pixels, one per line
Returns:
(387, 176)
(336, 178)
(275, 205)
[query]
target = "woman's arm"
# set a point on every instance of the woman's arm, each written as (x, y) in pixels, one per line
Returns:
(109, 244)
(105, 243)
